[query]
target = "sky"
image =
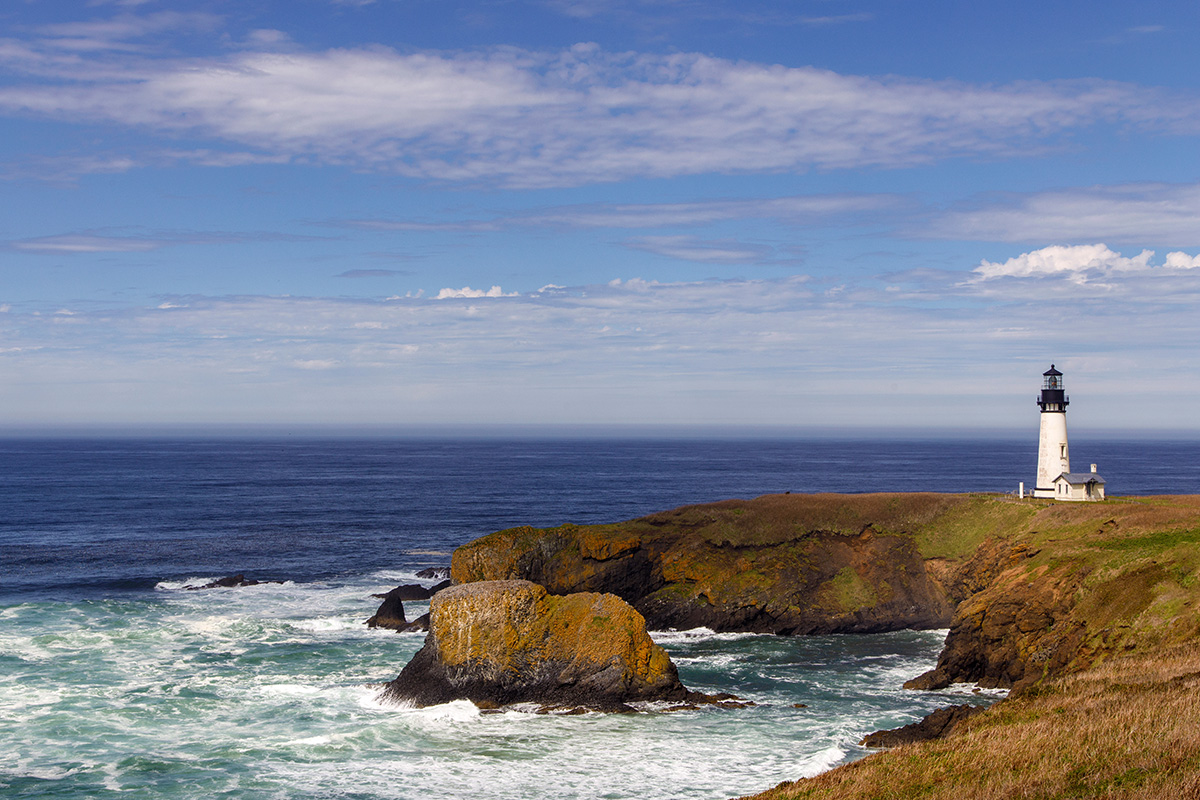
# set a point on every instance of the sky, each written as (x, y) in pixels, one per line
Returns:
(816, 214)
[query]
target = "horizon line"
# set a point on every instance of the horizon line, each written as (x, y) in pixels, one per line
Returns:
(563, 431)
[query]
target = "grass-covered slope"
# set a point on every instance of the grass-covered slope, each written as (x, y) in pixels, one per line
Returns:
(1092, 613)
(1126, 729)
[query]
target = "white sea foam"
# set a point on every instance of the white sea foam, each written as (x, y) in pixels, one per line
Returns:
(820, 761)
(282, 683)
(975, 690)
(698, 634)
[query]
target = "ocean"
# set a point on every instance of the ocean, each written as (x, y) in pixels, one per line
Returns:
(118, 681)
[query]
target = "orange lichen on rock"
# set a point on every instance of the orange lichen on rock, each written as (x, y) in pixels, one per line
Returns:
(504, 642)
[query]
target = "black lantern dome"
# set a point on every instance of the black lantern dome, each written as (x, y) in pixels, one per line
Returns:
(1053, 397)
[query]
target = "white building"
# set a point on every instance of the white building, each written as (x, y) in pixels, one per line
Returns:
(1079, 486)
(1054, 477)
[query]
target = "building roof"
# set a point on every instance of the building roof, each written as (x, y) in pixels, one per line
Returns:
(1078, 478)
(1052, 371)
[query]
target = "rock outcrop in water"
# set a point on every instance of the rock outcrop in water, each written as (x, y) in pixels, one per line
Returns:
(230, 582)
(498, 643)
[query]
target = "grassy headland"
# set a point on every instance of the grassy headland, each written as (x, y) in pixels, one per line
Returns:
(1089, 611)
(1122, 730)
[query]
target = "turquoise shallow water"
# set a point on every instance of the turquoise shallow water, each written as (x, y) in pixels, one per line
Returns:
(270, 692)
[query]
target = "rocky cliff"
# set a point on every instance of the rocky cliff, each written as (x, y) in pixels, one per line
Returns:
(498, 643)
(1072, 586)
(786, 564)
(1029, 589)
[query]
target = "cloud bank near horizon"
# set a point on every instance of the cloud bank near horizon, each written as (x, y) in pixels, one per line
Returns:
(634, 350)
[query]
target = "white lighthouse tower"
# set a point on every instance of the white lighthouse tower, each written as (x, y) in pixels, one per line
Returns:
(1053, 457)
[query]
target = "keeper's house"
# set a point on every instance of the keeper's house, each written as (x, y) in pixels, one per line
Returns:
(1079, 486)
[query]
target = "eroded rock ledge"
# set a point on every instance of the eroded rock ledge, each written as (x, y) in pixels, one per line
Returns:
(784, 564)
(498, 643)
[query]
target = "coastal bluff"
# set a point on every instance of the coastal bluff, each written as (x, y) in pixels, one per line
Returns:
(1029, 589)
(783, 564)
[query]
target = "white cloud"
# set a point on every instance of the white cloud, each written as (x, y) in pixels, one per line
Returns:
(582, 115)
(835, 19)
(467, 291)
(1181, 261)
(1141, 212)
(85, 244)
(1079, 264)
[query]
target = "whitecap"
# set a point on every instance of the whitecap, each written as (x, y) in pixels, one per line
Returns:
(177, 586)
(288, 689)
(698, 635)
(820, 761)
(454, 711)
(328, 624)
(975, 690)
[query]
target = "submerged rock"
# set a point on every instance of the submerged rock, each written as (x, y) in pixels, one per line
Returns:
(434, 572)
(230, 582)
(502, 642)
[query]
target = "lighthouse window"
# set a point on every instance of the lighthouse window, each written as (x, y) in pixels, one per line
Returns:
(1064, 450)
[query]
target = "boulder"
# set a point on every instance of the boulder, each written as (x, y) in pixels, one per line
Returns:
(390, 613)
(434, 572)
(497, 643)
(409, 591)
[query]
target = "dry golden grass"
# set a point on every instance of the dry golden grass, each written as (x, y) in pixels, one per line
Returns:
(1127, 729)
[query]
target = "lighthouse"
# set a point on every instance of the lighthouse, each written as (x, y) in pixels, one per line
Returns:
(1053, 457)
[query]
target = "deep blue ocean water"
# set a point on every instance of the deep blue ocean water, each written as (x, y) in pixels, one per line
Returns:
(116, 681)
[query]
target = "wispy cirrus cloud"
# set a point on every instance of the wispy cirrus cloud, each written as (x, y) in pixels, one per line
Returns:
(652, 13)
(98, 242)
(524, 118)
(690, 248)
(1141, 212)
(799, 210)
(78, 243)
(371, 273)
(121, 32)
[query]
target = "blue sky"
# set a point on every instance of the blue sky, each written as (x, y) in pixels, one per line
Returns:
(826, 213)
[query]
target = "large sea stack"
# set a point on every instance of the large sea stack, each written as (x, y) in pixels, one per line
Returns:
(498, 643)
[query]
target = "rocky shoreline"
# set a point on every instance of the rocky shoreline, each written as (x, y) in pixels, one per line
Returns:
(1033, 592)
